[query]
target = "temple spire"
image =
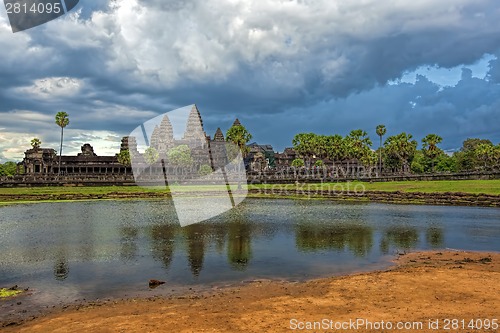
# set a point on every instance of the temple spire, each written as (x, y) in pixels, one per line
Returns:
(194, 127)
(166, 135)
(219, 136)
(155, 137)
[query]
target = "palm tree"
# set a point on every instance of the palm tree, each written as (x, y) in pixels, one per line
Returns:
(401, 147)
(485, 153)
(358, 143)
(381, 130)
(36, 143)
(239, 244)
(62, 121)
(319, 146)
(429, 144)
(240, 136)
(304, 145)
(336, 148)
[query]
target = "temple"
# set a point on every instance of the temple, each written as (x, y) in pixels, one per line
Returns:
(204, 151)
(43, 165)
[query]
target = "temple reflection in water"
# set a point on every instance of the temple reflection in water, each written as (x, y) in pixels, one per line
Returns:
(234, 239)
(259, 238)
(235, 236)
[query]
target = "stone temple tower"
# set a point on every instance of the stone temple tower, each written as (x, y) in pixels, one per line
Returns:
(236, 122)
(162, 138)
(129, 143)
(196, 138)
(194, 135)
(219, 136)
(218, 150)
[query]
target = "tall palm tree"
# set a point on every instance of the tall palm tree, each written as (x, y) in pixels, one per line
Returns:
(239, 136)
(62, 121)
(381, 130)
(429, 143)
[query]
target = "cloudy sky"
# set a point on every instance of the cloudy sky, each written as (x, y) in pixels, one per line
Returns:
(280, 66)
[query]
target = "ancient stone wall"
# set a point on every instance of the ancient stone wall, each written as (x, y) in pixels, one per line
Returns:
(395, 197)
(253, 178)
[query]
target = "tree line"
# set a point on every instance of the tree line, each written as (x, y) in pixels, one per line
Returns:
(8, 169)
(398, 153)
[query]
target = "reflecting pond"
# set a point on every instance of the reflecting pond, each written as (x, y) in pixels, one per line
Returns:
(97, 249)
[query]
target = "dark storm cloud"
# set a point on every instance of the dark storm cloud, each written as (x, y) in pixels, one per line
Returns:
(280, 67)
(469, 109)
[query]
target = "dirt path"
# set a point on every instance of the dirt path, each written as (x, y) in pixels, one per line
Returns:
(424, 286)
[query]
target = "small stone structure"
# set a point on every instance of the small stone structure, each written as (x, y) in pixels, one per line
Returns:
(39, 160)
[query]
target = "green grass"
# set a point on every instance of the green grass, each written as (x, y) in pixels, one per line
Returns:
(465, 186)
(4, 292)
(78, 190)
(106, 189)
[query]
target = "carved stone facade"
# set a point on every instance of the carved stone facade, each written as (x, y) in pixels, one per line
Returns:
(87, 150)
(162, 138)
(44, 161)
(285, 159)
(39, 160)
(260, 157)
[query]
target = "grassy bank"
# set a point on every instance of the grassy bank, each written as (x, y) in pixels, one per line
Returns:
(471, 187)
(76, 190)
(491, 187)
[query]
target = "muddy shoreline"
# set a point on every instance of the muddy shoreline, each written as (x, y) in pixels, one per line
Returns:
(422, 286)
(26, 307)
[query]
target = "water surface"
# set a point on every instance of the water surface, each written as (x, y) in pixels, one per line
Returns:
(66, 251)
